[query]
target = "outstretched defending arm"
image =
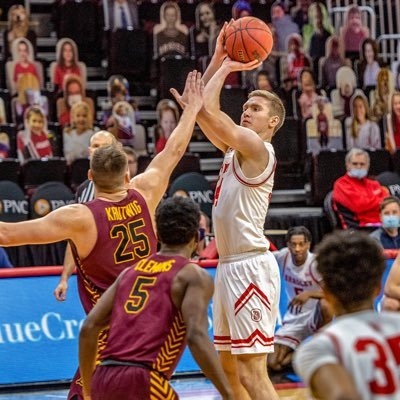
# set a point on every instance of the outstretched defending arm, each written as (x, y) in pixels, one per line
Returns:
(154, 181)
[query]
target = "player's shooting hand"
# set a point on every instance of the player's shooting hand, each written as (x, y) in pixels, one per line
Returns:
(60, 292)
(297, 303)
(234, 66)
(220, 52)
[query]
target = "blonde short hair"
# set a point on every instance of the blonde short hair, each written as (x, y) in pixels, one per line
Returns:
(276, 107)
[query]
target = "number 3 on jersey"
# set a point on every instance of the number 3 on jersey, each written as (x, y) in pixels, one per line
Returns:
(139, 295)
(132, 239)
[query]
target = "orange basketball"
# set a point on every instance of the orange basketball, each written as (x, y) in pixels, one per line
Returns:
(248, 39)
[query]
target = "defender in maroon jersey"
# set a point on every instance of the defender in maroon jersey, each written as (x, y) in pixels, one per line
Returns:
(115, 230)
(153, 309)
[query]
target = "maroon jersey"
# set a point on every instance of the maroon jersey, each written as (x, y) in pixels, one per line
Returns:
(124, 236)
(143, 308)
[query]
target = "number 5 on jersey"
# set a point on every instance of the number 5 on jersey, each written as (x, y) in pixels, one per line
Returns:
(131, 238)
(139, 295)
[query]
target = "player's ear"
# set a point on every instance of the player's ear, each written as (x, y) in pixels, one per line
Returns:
(90, 175)
(127, 177)
(274, 121)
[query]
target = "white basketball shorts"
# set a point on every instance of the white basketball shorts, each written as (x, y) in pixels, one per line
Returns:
(246, 301)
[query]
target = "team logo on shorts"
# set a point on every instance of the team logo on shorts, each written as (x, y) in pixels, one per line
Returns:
(256, 314)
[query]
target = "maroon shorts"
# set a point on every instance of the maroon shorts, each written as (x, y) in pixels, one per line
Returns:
(114, 382)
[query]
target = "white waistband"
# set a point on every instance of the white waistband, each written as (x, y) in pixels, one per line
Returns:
(241, 256)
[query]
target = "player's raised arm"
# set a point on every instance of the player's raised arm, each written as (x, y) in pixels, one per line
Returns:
(154, 181)
(198, 287)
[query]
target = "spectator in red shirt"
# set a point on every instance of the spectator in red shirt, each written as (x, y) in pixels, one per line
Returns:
(357, 198)
(22, 53)
(33, 142)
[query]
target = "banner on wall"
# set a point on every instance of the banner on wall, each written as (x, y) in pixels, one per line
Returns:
(39, 336)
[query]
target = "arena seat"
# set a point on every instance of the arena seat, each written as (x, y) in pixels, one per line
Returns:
(330, 211)
(327, 167)
(128, 53)
(13, 205)
(173, 71)
(37, 172)
(48, 197)
(9, 170)
(197, 187)
(380, 161)
(188, 163)
(78, 171)
(232, 100)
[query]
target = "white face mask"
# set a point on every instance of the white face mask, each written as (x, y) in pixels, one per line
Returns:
(358, 173)
(74, 98)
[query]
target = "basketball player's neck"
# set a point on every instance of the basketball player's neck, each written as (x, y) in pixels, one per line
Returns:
(267, 135)
(116, 195)
(353, 308)
(183, 251)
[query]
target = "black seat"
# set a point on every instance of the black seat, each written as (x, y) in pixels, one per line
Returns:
(9, 169)
(78, 171)
(13, 204)
(173, 71)
(48, 197)
(188, 163)
(128, 54)
(198, 189)
(327, 167)
(330, 211)
(232, 100)
(380, 161)
(37, 172)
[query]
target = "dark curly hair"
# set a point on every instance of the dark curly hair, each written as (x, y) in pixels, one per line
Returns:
(351, 265)
(298, 230)
(177, 220)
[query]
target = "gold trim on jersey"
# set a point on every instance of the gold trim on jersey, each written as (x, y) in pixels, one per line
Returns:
(172, 346)
(160, 388)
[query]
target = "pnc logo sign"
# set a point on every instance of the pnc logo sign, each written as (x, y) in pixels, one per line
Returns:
(13, 207)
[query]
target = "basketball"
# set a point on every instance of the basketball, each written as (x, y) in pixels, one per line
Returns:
(248, 39)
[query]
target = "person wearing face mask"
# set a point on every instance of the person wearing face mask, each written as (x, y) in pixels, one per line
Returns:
(356, 198)
(388, 235)
(74, 92)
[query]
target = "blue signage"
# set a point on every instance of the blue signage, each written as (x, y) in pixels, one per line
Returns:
(39, 336)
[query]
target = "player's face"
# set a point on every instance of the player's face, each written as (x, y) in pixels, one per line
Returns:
(255, 115)
(299, 248)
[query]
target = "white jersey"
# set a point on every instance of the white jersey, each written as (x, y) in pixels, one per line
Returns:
(241, 205)
(298, 279)
(366, 344)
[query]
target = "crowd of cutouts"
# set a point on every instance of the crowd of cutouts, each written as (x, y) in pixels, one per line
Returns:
(334, 82)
